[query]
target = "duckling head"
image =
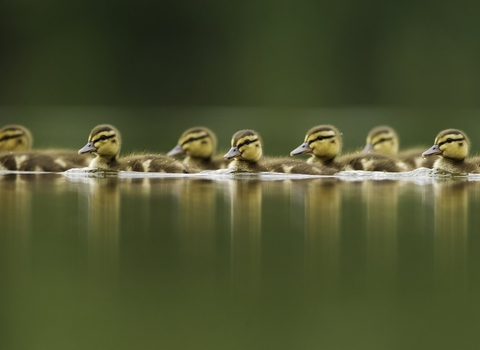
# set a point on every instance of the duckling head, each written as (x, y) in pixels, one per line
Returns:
(104, 140)
(197, 142)
(15, 138)
(246, 145)
(382, 139)
(450, 143)
(324, 141)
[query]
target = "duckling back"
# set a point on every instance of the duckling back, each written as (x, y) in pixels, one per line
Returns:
(153, 163)
(371, 162)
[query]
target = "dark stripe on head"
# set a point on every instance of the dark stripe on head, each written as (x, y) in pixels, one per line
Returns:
(241, 134)
(16, 130)
(191, 139)
(103, 137)
(8, 137)
(455, 132)
(320, 138)
(102, 128)
(450, 140)
(383, 139)
(246, 142)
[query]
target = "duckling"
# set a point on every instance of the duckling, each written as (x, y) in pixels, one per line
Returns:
(39, 161)
(104, 141)
(452, 147)
(15, 138)
(384, 140)
(198, 144)
(16, 142)
(247, 155)
(325, 142)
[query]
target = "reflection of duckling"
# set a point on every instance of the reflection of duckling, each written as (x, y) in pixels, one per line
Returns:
(384, 140)
(15, 138)
(198, 144)
(105, 141)
(246, 153)
(325, 143)
(452, 146)
(15, 143)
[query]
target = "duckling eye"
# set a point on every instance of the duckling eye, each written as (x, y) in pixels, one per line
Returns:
(103, 138)
(191, 139)
(320, 138)
(247, 142)
(449, 140)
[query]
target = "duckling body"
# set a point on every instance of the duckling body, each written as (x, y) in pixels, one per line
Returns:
(452, 147)
(16, 154)
(198, 144)
(247, 155)
(39, 161)
(385, 140)
(325, 144)
(105, 142)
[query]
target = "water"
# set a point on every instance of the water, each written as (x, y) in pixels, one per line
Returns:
(222, 261)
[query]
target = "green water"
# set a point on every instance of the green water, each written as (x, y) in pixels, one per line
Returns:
(185, 263)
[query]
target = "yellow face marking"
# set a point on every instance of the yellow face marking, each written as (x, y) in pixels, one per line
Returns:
(454, 145)
(106, 143)
(324, 143)
(384, 142)
(197, 144)
(250, 148)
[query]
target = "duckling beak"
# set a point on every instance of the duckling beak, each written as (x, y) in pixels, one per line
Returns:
(435, 149)
(177, 151)
(368, 148)
(89, 147)
(303, 148)
(234, 152)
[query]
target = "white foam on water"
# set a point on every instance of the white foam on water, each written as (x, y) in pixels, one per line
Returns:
(419, 176)
(88, 173)
(13, 172)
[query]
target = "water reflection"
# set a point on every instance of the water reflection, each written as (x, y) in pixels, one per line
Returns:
(245, 199)
(322, 233)
(451, 235)
(381, 202)
(101, 203)
(197, 234)
(233, 255)
(15, 224)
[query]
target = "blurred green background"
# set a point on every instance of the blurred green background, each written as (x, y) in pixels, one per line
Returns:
(240, 53)
(281, 67)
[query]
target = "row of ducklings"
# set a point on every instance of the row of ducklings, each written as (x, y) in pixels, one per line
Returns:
(198, 145)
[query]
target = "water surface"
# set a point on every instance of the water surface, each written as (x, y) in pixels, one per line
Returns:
(355, 261)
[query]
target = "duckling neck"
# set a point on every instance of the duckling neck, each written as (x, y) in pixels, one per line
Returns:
(328, 161)
(105, 163)
(245, 165)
